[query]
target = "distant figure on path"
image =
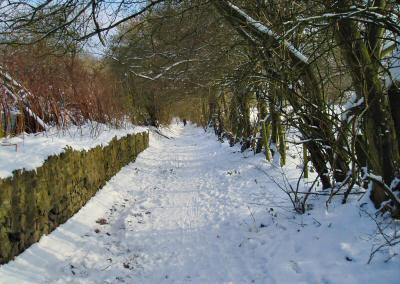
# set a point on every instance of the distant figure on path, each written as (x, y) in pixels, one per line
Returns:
(184, 122)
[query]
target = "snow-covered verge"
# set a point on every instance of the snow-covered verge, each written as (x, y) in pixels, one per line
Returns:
(29, 151)
(193, 210)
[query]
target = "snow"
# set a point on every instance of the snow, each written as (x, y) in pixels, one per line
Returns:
(33, 149)
(265, 30)
(351, 104)
(253, 115)
(37, 118)
(193, 210)
(276, 159)
(20, 96)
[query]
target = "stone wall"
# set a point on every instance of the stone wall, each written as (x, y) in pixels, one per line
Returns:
(34, 203)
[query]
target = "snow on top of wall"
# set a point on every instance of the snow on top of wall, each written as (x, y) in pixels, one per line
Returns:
(33, 149)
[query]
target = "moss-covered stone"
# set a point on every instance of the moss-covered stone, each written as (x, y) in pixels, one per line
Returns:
(33, 203)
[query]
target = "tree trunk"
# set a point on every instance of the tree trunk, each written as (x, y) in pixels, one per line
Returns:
(394, 100)
(378, 123)
(305, 161)
(282, 144)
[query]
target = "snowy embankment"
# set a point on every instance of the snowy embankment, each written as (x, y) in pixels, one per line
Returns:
(29, 151)
(192, 210)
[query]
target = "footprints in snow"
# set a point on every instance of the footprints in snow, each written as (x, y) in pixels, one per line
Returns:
(109, 234)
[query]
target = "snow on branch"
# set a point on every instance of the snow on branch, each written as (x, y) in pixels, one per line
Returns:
(9, 84)
(361, 14)
(165, 70)
(388, 189)
(261, 28)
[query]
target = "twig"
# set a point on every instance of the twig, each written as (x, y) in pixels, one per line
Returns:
(254, 219)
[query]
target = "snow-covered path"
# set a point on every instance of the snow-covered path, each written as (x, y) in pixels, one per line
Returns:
(193, 210)
(167, 220)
